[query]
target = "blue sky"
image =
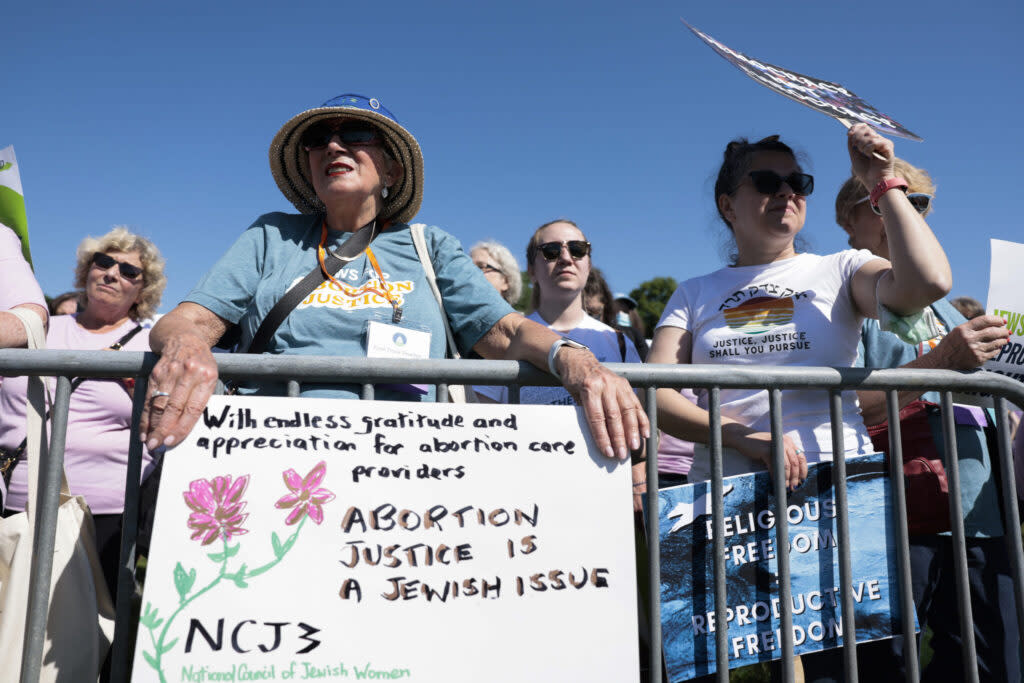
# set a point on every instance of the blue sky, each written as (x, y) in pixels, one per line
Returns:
(611, 114)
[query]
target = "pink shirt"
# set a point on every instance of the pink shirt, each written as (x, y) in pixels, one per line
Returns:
(17, 283)
(99, 422)
(675, 455)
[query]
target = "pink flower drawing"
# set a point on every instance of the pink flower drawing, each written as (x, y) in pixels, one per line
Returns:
(217, 508)
(305, 498)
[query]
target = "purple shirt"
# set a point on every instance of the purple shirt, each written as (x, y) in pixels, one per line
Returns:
(675, 455)
(17, 284)
(99, 422)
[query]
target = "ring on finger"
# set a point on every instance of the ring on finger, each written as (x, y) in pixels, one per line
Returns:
(157, 394)
(799, 451)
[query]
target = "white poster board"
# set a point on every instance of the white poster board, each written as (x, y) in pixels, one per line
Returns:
(1006, 299)
(316, 538)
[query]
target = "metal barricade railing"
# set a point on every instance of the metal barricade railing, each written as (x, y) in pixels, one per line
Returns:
(364, 372)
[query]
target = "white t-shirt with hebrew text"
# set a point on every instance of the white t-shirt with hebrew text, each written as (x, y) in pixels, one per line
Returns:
(798, 311)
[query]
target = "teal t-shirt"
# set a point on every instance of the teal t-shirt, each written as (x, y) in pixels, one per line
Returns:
(279, 249)
(979, 493)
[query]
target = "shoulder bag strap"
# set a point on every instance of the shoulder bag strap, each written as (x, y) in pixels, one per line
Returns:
(456, 392)
(35, 406)
(119, 344)
(286, 304)
(622, 344)
(428, 267)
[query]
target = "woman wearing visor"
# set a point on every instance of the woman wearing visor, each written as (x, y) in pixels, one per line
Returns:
(356, 177)
(951, 343)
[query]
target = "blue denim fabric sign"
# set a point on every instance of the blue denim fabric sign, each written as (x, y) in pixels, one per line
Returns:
(751, 547)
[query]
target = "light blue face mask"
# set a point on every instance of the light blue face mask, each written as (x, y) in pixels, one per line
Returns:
(622, 319)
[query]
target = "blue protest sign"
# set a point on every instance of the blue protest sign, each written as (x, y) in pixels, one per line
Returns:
(751, 548)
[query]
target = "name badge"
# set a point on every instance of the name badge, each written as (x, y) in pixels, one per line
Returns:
(384, 340)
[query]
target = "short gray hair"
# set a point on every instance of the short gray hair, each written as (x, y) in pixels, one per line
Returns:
(507, 264)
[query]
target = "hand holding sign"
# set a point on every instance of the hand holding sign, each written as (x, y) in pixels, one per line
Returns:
(871, 155)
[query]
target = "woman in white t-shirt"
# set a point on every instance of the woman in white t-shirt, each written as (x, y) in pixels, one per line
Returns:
(558, 261)
(773, 306)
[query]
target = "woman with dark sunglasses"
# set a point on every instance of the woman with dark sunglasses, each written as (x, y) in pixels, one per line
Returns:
(120, 280)
(953, 343)
(774, 306)
(558, 260)
(356, 177)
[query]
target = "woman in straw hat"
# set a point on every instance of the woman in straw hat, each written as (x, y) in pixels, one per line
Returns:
(354, 172)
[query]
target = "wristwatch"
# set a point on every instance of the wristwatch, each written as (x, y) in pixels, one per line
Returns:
(553, 351)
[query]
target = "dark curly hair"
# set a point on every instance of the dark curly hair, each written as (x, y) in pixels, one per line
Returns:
(736, 164)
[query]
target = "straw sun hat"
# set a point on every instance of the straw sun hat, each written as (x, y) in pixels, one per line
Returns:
(289, 162)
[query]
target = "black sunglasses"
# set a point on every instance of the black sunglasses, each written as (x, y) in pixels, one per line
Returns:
(919, 200)
(552, 250)
(769, 182)
(105, 261)
(349, 132)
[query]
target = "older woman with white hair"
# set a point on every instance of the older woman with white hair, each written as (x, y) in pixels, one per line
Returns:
(121, 279)
(500, 268)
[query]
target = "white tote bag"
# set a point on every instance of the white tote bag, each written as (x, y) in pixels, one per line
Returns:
(80, 624)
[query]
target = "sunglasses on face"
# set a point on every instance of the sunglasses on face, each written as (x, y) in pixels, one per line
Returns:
(769, 182)
(488, 268)
(352, 133)
(919, 200)
(106, 261)
(552, 250)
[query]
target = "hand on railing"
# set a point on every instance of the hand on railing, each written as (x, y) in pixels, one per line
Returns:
(179, 387)
(616, 417)
(758, 446)
(969, 345)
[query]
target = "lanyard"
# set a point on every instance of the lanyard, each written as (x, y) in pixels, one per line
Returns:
(396, 316)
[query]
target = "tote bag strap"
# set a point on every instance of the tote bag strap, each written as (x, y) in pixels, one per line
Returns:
(36, 406)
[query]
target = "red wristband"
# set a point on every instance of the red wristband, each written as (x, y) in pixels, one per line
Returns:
(884, 186)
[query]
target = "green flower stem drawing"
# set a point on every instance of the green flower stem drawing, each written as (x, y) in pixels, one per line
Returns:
(217, 512)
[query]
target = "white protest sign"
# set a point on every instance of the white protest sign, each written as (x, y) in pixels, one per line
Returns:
(1006, 299)
(322, 539)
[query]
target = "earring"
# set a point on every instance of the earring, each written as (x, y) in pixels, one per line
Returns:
(384, 192)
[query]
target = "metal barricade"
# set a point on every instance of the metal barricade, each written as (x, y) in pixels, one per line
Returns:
(365, 372)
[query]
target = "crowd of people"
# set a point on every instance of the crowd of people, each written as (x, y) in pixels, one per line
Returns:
(355, 176)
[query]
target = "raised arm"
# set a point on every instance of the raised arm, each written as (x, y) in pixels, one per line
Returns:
(616, 418)
(917, 272)
(185, 376)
